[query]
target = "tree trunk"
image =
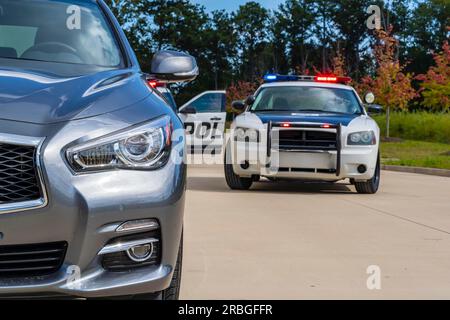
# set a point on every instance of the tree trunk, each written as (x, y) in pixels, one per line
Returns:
(388, 109)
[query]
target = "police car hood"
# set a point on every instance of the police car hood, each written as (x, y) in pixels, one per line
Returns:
(314, 117)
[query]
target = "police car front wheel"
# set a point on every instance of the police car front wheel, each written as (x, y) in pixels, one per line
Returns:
(370, 186)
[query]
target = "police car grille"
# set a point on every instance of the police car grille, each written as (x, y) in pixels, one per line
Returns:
(18, 174)
(306, 140)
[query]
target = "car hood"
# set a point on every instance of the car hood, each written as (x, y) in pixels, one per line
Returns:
(331, 118)
(42, 98)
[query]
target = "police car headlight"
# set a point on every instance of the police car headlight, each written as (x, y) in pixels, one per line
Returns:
(364, 138)
(246, 134)
(145, 147)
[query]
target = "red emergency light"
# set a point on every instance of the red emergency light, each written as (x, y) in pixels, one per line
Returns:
(332, 79)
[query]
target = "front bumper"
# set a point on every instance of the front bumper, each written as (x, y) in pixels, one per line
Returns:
(81, 206)
(314, 163)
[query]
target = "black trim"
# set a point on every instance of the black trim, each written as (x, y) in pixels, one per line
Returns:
(337, 127)
(339, 149)
(269, 139)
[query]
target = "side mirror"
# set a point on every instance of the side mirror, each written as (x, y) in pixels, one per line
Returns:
(238, 105)
(250, 100)
(369, 98)
(374, 108)
(173, 66)
(188, 110)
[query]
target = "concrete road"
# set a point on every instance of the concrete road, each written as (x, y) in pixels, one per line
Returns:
(311, 240)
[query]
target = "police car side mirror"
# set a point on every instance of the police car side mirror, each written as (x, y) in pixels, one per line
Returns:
(173, 66)
(374, 108)
(238, 105)
(188, 110)
(250, 100)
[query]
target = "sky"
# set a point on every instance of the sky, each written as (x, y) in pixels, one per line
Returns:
(232, 5)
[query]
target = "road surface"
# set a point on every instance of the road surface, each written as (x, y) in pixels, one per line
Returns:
(316, 241)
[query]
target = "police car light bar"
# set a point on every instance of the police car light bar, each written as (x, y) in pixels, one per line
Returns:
(332, 79)
(268, 78)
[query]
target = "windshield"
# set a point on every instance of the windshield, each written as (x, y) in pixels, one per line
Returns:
(62, 31)
(307, 99)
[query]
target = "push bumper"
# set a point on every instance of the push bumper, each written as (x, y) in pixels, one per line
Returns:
(315, 163)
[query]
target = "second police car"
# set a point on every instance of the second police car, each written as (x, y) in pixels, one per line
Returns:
(304, 127)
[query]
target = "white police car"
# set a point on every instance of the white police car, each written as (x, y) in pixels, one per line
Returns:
(304, 127)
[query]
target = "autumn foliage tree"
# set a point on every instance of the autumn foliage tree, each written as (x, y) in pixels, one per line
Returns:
(391, 86)
(338, 64)
(240, 91)
(435, 88)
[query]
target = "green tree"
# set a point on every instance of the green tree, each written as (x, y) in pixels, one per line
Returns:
(251, 25)
(428, 30)
(297, 18)
(350, 17)
(220, 48)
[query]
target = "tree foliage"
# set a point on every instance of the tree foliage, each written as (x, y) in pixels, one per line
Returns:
(300, 36)
(435, 87)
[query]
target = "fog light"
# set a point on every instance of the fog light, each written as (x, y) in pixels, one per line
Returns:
(245, 165)
(140, 253)
(362, 168)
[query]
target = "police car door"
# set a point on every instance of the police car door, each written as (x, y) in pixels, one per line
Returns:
(205, 128)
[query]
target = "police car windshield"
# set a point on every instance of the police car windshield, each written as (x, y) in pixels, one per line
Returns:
(306, 99)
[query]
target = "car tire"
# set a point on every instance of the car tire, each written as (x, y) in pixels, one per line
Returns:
(234, 181)
(370, 186)
(173, 292)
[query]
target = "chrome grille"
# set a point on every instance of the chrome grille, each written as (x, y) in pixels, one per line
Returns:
(31, 259)
(19, 180)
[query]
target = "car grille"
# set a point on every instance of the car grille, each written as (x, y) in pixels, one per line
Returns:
(31, 259)
(307, 140)
(18, 174)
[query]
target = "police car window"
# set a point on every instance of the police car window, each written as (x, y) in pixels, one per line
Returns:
(210, 102)
(298, 98)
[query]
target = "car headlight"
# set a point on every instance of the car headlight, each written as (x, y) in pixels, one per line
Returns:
(145, 147)
(364, 138)
(246, 134)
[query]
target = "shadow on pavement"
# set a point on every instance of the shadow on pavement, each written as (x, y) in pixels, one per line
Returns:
(218, 184)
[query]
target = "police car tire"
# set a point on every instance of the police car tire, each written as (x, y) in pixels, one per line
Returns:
(370, 186)
(234, 181)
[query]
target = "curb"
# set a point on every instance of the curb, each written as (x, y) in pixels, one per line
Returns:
(419, 170)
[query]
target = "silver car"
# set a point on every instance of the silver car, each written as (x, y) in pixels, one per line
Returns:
(92, 171)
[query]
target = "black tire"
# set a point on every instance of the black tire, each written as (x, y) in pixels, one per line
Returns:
(233, 180)
(370, 186)
(173, 292)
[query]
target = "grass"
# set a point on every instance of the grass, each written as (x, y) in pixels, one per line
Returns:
(416, 154)
(423, 126)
